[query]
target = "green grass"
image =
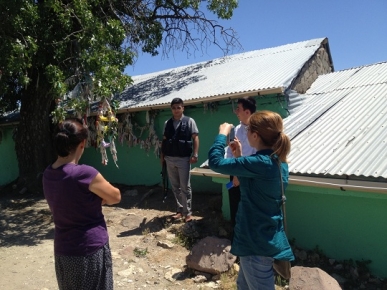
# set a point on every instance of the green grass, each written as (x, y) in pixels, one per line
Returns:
(140, 252)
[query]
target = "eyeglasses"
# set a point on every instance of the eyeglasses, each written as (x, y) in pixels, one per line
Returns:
(176, 107)
(247, 128)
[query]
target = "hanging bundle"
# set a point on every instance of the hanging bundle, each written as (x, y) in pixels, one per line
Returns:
(92, 138)
(233, 106)
(121, 132)
(147, 118)
(205, 107)
(107, 126)
(153, 139)
(128, 133)
(213, 106)
(141, 128)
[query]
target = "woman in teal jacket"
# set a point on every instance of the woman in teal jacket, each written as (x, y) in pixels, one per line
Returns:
(259, 235)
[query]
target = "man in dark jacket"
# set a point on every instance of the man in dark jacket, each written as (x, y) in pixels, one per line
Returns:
(180, 147)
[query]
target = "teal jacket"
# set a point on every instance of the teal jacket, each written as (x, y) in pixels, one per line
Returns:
(259, 221)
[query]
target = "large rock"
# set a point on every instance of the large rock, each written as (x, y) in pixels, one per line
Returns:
(304, 278)
(211, 255)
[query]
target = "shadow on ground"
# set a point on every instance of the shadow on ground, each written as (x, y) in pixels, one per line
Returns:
(26, 220)
(207, 212)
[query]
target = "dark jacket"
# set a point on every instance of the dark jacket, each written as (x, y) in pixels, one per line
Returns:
(177, 142)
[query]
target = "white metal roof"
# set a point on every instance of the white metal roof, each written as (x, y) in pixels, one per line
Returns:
(259, 70)
(341, 128)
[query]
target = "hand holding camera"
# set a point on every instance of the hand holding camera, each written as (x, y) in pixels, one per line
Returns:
(225, 129)
(233, 142)
(236, 147)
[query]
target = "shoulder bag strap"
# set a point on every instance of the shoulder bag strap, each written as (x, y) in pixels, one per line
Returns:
(283, 195)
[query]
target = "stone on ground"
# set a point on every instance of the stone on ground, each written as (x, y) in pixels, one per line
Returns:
(305, 278)
(211, 255)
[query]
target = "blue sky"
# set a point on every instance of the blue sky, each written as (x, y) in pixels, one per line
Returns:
(356, 30)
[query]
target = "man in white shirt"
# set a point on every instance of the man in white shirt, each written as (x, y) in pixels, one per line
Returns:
(246, 106)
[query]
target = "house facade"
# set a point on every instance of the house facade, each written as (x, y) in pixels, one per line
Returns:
(210, 91)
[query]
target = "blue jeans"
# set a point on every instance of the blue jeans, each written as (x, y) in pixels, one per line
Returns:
(256, 273)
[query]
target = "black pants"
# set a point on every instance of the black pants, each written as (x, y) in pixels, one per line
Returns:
(234, 196)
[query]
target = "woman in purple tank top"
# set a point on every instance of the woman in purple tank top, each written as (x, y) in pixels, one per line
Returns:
(75, 194)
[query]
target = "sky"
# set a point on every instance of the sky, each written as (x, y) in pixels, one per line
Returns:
(356, 32)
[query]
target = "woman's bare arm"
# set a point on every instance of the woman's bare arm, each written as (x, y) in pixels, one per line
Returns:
(101, 187)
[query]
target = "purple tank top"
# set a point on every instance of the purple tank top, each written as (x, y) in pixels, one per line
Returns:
(80, 227)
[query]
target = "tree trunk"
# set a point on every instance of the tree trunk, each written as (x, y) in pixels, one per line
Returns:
(34, 147)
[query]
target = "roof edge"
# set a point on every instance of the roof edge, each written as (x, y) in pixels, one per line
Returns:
(279, 90)
(341, 184)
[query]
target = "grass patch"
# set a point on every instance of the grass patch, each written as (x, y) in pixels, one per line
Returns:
(228, 279)
(279, 281)
(145, 232)
(182, 240)
(140, 252)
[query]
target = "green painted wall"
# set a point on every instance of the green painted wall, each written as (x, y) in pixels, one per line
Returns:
(9, 169)
(136, 167)
(344, 224)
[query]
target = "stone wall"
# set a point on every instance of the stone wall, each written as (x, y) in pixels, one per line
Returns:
(319, 64)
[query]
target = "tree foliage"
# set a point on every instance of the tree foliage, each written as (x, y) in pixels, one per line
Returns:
(70, 42)
(51, 49)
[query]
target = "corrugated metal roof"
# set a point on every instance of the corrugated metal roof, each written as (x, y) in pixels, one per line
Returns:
(354, 77)
(252, 71)
(9, 118)
(341, 128)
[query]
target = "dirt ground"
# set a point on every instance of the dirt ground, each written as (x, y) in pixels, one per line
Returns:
(135, 226)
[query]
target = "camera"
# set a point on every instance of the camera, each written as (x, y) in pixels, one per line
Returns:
(231, 135)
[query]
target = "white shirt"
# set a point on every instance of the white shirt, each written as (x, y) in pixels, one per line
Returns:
(241, 134)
